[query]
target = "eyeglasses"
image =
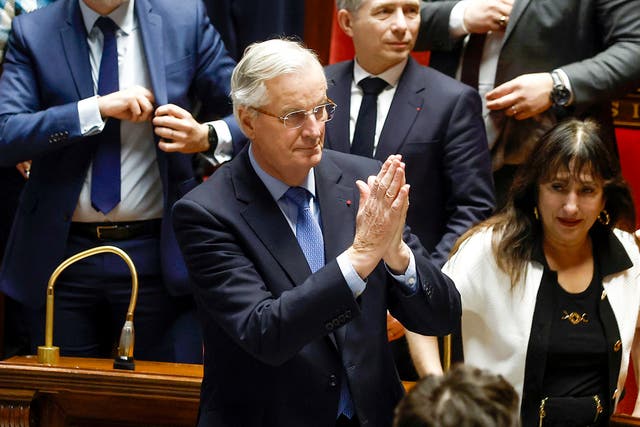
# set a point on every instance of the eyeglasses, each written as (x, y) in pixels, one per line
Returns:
(295, 119)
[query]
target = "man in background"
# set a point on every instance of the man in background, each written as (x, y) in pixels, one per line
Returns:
(429, 118)
(535, 63)
(97, 93)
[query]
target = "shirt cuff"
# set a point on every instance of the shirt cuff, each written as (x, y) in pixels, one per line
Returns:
(91, 122)
(457, 28)
(407, 281)
(224, 150)
(566, 82)
(355, 283)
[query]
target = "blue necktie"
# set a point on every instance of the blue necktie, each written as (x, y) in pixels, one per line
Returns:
(308, 232)
(364, 134)
(309, 236)
(105, 176)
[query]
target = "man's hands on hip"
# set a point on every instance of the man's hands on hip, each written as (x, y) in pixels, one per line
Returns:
(380, 221)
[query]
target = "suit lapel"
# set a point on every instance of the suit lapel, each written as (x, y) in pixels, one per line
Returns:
(405, 107)
(339, 90)
(152, 42)
(152, 36)
(516, 12)
(338, 209)
(267, 221)
(76, 51)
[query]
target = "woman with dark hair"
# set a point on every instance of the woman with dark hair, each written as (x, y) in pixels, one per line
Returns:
(550, 285)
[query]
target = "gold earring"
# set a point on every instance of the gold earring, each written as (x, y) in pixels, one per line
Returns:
(535, 212)
(604, 217)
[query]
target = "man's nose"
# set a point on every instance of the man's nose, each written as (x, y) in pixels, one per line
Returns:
(312, 127)
(399, 22)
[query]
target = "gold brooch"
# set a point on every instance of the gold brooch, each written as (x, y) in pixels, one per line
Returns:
(574, 317)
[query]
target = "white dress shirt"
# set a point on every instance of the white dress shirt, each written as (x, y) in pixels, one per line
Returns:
(141, 188)
(391, 76)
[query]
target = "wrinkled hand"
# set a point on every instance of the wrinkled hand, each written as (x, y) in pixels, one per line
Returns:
(179, 130)
(395, 329)
(134, 104)
(523, 97)
(24, 168)
(383, 205)
(482, 16)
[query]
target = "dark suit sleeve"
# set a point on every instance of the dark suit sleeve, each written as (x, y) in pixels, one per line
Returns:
(616, 69)
(434, 26)
(231, 292)
(466, 168)
(435, 309)
(26, 131)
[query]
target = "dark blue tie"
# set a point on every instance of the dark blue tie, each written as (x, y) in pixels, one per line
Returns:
(364, 134)
(105, 176)
(309, 236)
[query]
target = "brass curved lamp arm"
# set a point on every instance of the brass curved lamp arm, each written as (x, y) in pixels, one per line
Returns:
(48, 354)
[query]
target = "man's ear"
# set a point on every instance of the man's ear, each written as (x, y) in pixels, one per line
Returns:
(345, 20)
(247, 121)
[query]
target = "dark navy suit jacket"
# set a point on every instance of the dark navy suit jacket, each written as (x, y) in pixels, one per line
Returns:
(270, 359)
(46, 72)
(435, 122)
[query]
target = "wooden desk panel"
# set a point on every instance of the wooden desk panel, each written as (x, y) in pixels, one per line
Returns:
(82, 392)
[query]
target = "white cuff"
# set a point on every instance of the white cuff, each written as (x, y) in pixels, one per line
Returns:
(91, 122)
(457, 28)
(224, 150)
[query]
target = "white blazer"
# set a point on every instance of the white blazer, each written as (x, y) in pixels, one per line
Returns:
(496, 321)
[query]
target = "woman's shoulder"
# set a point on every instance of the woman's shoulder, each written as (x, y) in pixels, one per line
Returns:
(629, 242)
(475, 250)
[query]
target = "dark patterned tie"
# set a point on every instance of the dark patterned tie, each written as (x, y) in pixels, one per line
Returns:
(364, 134)
(105, 176)
(309, 236)
(471, 60)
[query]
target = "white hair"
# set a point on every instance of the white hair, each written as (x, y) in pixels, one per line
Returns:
(264, 61)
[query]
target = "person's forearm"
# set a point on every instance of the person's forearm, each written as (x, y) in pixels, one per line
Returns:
(424, 353)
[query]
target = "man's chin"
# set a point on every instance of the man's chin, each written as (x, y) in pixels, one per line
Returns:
(312, 155)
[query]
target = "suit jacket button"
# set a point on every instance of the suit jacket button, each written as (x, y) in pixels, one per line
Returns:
(333, 380)
(328, 326)
(617, 346)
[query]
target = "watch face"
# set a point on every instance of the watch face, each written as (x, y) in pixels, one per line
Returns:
(560, 95)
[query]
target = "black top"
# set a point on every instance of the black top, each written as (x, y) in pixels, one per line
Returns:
(577, 353)
(591, 355)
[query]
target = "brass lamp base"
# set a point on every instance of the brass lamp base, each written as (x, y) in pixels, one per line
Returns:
(48, 355)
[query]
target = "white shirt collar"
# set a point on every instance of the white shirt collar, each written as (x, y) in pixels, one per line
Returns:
(123, 16)
(276, 187)
(391, 75)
